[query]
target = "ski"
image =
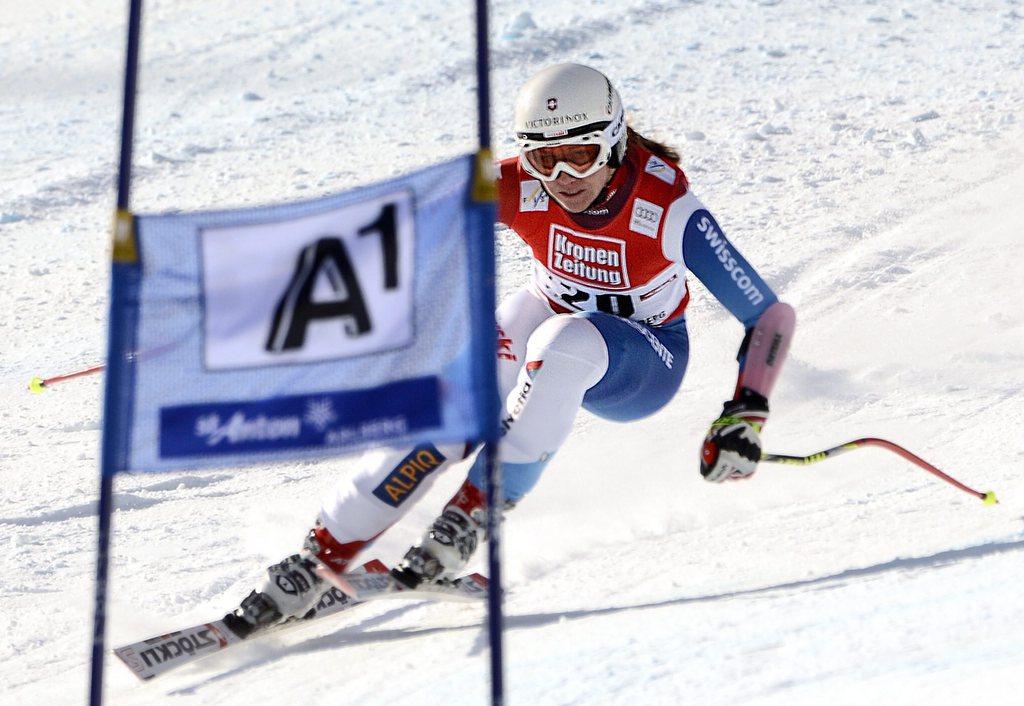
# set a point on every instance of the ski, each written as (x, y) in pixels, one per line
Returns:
(158, 655)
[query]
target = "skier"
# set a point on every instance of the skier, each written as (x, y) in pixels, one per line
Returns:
(613, 228)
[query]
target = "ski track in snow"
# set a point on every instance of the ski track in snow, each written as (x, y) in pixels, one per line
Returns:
(866, 157)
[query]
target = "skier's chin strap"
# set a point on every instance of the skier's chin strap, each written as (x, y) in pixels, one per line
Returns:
(763, 350)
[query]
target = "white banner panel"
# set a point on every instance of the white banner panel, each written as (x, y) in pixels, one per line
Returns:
(334, 285)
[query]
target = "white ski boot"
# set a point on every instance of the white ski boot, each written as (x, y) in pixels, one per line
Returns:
(292, 588)
(448, 545)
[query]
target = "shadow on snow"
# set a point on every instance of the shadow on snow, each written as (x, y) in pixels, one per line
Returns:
(358, 634)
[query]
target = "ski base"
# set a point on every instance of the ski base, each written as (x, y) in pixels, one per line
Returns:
(160, 654)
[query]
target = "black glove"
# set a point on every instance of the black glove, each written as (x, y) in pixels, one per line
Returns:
(732, 446)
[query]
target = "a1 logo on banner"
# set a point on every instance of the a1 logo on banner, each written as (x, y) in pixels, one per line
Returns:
(334, 285)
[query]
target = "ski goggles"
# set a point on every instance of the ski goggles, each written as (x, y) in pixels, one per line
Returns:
(579, 152)
(578, 160)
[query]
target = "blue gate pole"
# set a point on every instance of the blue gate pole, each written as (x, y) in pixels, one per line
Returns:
(114, 414)
(485, 192)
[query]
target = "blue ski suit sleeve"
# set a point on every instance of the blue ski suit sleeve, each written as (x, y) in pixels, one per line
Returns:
(720, 267)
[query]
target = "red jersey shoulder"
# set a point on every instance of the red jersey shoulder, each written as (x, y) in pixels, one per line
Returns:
(508, 168)
(658, 179)
(509, 190)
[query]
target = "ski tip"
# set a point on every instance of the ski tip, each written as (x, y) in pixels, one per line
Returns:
(375, 566)
(989, 498)
(480, 580)
(36, 385)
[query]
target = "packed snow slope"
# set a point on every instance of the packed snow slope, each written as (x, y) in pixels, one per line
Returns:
(866, 157)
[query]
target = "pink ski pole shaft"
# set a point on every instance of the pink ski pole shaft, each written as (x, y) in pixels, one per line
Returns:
(988, 497)
(38, 384)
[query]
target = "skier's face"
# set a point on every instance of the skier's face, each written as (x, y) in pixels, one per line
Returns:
(574, 194)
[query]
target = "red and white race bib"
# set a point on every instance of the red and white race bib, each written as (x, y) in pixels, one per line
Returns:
(624, 263)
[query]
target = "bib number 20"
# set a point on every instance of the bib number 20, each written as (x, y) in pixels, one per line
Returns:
(615, 304)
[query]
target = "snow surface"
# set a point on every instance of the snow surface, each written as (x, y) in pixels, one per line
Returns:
(867, 156)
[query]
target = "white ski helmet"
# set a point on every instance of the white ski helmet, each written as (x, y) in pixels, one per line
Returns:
(569, 104)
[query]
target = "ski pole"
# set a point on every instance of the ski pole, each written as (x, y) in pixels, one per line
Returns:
(988, 497)
(38, 384)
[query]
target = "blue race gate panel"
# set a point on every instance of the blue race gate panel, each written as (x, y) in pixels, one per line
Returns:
(309, 328)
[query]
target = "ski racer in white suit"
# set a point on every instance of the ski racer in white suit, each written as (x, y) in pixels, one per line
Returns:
(613, 228)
